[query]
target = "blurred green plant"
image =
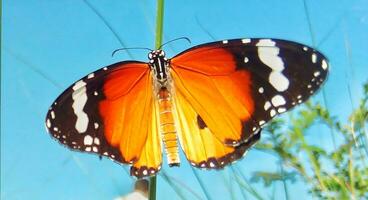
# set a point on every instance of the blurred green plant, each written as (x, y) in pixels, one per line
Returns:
(340, 173)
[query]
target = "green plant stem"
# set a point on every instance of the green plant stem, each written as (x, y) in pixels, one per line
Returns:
(159, 23)
(158, 42)
(152, 188)
(351, 173)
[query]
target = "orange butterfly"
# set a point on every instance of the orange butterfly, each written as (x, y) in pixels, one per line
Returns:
(211, 100)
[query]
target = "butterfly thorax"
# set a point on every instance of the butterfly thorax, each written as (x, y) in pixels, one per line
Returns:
(159, 65)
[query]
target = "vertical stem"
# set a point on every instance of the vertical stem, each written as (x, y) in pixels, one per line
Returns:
(152, 188)
(351, 173)
(158, 42)
(159, 23)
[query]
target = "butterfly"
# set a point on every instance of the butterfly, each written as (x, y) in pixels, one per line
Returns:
(211, 100)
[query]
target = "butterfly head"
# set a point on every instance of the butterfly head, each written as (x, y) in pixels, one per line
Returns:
(159, 65)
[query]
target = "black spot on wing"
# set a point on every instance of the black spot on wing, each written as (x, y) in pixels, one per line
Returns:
(200, 122)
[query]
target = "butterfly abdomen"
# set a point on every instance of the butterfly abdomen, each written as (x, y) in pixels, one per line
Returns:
(167, 128)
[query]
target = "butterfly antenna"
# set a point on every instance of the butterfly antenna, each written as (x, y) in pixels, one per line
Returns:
(113, 53)
(181, 38)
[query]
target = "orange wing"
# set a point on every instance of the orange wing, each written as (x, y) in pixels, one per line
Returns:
(221, 95)
(224, 92)
(112, 113)
(198, 141)
(211, 116)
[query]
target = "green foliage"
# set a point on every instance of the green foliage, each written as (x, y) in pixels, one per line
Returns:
(341, 173)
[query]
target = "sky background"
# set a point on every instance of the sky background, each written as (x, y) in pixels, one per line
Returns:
(48, 45)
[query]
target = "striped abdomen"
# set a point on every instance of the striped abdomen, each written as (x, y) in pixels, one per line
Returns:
(167, 128)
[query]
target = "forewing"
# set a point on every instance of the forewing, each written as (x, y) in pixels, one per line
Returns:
(236, 86)
(109, 113)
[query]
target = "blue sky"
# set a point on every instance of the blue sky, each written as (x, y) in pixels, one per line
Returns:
(47, 45)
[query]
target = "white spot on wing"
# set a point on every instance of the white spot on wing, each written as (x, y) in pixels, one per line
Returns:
(96, 125)
(88, 149)
(278, 81)
(269, 54)
(48, 123)
(52, 114)
(95, 149)
(225, 41)
(314, 58)
(261, 122)
(272, 112)
(91, 75)
(88, 140)
(79, 101)
(247, 40)
(95, 93)
(305, 48)
(281, 110)
(246, 59)
(278, 100)
(97, 141)
(261, 90)
(324, 64)
(267, 105)
(316, 73)
(145, 172)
